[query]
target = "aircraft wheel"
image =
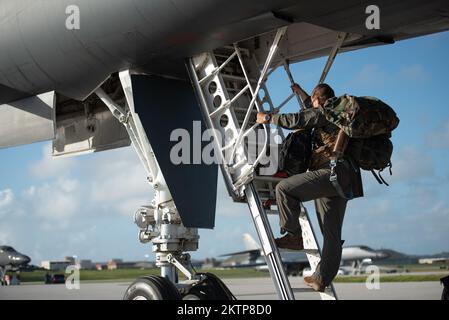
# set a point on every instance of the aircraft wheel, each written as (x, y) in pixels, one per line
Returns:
(198, 293)
(211, 288)
(152, 288)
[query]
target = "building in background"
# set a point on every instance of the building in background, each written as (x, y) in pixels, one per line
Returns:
(71, 259)
(55, 265)
(115, 264)
(85, 265)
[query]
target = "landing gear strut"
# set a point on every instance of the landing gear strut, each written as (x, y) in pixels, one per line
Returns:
(160, 222)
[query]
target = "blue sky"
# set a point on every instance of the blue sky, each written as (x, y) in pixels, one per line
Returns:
(83, 206)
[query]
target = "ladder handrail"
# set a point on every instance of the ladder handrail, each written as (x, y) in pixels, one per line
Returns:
(229, 103)
(203, 105)
(273, 50)
(330, 60)
(305, 213)
(258, 107)
(269, 248)
(283, 103)
(217, 70)
(292, 82)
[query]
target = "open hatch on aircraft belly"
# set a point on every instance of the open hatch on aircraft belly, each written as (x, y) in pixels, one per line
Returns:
(86, 127)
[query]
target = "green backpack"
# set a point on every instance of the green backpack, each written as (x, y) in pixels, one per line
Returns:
(370, 121)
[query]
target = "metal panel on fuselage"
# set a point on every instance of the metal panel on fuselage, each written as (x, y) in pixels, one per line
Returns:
(39, 53)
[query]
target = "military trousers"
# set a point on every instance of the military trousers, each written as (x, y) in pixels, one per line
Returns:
(330, 209)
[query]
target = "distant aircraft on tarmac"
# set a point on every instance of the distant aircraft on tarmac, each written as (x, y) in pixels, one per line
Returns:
(295, 261)
(11, 259)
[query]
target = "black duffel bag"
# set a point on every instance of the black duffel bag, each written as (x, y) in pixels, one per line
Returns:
(295, 152)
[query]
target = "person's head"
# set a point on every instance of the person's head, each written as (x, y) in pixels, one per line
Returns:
(320, 94)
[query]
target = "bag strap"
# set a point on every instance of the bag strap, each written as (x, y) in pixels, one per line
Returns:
(379, 177)
(376, 176)
(339, 148)
(334, 181)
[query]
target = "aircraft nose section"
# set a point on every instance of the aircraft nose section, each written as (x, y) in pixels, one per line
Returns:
(24, 259)
(382, 255)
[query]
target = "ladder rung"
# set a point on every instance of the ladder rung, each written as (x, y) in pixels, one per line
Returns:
(268, 179)
(314, 252)
(267, 194)
(303, 290)
(221, 55)
(327, 291)
(231, 48)
(233, 89)
(237, 78)
(311, 251)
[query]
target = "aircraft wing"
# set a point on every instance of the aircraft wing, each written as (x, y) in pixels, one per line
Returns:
(248, 252)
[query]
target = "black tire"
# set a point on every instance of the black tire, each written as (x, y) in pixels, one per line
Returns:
(211, 288)
(152, 288)
(198, 292)
(445, 294)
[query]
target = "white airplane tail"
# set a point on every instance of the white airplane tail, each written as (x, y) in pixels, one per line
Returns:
(250, 243)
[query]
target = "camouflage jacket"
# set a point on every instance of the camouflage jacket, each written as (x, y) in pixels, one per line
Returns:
(324, 136)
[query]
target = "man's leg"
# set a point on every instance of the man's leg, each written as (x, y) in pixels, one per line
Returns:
(330, 212)
(300, 188)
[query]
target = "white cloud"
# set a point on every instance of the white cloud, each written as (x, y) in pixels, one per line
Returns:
(439, 138)
(115, 183)
(54, 204)
(413, 222)
(49, 167)
(371, 74)
(6, 198)
(5, 237)
(225, 205)
(7, 202)
(374, 75)
(120, 184)
(409, 164)
(414, 72)
(224, 239)
(129, 205)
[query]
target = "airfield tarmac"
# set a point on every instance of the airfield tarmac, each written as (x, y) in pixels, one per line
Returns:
(243, 289)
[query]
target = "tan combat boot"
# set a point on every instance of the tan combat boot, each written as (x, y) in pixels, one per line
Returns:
(314, 284)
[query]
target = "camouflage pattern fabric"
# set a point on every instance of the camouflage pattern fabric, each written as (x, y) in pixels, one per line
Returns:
(323, 141)
(368, 120)
(361, 117)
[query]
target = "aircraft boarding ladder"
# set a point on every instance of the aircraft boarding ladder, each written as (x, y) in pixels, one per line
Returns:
(231, 88)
